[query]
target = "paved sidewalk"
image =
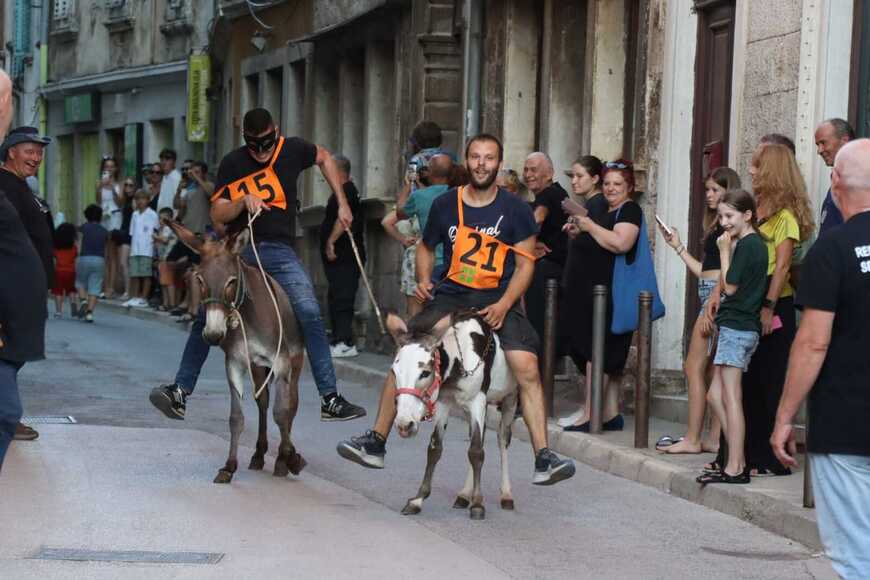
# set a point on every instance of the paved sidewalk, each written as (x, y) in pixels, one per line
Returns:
(773, 503)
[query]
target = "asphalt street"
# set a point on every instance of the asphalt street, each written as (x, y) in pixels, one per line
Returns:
(593, 526)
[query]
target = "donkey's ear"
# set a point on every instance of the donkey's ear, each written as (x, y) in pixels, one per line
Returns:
(397, 328)
(236, 242)
(441, 327)
(187, 237)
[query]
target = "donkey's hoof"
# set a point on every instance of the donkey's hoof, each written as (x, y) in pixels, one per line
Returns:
(507, 504)
(411, 508)
(461, 503)
(296, 464)
(223, 476)
(281, 469)
(257, 463)
(478, 512)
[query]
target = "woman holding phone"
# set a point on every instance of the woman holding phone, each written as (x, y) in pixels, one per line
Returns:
(108, 194)
(706, 270)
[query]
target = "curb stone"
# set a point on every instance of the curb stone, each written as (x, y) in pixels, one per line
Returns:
(772, 514)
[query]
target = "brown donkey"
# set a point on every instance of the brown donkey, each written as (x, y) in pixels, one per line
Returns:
(237, 304)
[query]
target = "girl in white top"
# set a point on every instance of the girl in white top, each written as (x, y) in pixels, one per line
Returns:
(109, 197)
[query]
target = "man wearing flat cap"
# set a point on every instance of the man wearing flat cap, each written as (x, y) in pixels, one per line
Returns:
(23, 312)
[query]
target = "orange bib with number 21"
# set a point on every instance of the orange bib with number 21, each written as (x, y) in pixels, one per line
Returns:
(263, 183)
(478, 258)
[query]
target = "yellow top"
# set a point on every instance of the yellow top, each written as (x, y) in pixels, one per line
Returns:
(779, 227)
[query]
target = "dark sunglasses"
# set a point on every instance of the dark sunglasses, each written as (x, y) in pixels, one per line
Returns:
(615, 165)
(261, 144)
(129, 185)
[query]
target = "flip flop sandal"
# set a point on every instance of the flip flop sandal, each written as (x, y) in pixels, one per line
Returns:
(722, 477)
(712, 467)
(667, 441)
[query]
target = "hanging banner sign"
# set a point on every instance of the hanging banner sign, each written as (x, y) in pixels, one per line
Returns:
(198, 81)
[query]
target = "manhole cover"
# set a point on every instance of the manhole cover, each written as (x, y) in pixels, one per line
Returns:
(130, 556)
(45, 419)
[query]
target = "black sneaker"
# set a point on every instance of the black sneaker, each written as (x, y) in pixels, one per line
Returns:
(170, 399)
(549, 469)
(368, 450)
(334, 407)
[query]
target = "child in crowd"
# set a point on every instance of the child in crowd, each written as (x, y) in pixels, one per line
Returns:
(164, 240)
(64, 268)
(743, 279)
(143, 224)
(90, 267)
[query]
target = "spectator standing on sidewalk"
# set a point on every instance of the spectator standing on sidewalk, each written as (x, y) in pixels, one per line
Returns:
(171, 179)
(21, 154)
(420, 201)
(109, 196)
(830, 137)
(339, 262)
(142, 227)
(90, 266)
(164, 242)
(829, 363)
(22, 297)
(551, 249)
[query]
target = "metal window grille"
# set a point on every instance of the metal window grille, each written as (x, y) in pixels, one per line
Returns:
(21, 48)
(62, 9)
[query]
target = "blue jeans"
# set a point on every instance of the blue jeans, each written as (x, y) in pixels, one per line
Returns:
(10, 405)
(842, 484)
(280, 262)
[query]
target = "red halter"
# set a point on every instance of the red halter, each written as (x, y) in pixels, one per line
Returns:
(430, 394)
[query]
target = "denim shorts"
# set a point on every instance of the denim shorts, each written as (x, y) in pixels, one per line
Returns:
(735, 347)
(841, 484)
(705, 289)
(89, 274)
(140, 266)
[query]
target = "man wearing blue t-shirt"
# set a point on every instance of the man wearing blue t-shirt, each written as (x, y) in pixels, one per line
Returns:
(420, 201)
(830, 136)
(489, 237)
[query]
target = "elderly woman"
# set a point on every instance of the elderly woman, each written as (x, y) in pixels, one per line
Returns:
(606, 232)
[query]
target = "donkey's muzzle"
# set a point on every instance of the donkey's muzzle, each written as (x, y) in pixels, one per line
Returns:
(213, 338)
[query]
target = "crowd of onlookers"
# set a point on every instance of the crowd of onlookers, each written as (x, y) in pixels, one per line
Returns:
(125, 249)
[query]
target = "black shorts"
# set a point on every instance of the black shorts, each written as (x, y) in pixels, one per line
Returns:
(179, 251)
(516, 332)
(120, 237)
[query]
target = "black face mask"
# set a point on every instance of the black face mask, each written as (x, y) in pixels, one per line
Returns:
(261, 144)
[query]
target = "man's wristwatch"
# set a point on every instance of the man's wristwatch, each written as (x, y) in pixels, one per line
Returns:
(768, 303)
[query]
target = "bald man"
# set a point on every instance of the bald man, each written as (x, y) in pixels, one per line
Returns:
(552, 247)
(22, 300)
(829, 362)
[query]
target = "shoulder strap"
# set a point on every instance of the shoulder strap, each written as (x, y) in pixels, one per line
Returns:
(459, 191)
(277, 152)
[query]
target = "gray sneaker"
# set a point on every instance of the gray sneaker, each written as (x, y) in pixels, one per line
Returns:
(550, 469)
(367, 450)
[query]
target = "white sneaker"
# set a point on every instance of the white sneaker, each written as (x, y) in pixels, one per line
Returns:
(129, 303)
(342, 350)
(570, 419)
(139, 303)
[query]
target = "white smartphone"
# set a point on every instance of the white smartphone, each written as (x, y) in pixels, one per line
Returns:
(664, 225)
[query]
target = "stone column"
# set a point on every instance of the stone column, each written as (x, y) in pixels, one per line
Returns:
(378, 167)
(605, 76)
(325, 131)
(520, 82)
(351, 114)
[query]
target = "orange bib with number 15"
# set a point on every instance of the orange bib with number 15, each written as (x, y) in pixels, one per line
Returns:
(262, 183)
(478, 259)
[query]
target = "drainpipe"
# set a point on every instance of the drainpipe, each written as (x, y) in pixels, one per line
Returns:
(472, 57)
(42, 79)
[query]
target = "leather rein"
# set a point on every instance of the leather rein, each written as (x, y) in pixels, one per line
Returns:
(241, 290)
(429, 395)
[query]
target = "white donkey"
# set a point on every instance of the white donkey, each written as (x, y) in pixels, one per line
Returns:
(456, 360)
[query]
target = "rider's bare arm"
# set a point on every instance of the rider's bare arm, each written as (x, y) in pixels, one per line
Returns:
(223, 211)
(425, 264)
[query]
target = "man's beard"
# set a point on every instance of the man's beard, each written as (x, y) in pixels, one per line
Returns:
(486, 183)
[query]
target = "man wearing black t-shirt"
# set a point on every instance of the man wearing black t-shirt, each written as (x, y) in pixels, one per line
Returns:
(829, 362)
(472, 224)
(261, 177)
(551, 250)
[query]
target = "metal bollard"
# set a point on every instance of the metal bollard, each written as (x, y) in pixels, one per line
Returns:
(644, 370)
(599, 316)
(548, 362)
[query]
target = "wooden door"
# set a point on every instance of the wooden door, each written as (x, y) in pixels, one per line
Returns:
(712, 117)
